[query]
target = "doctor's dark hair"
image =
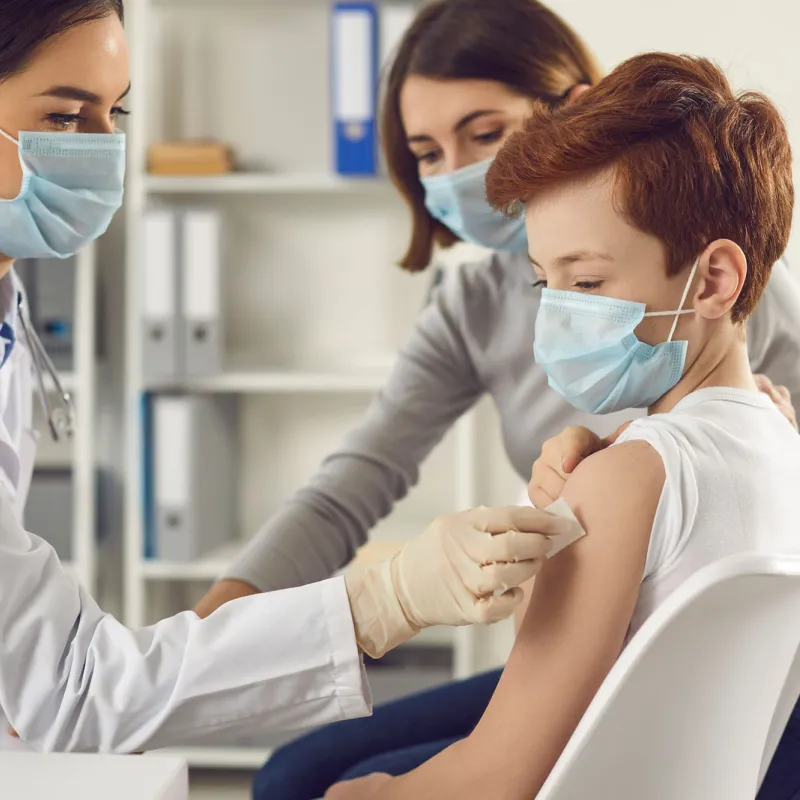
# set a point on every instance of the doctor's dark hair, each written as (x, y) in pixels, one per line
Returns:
(518, 43)
(25, 25)
(692, 162)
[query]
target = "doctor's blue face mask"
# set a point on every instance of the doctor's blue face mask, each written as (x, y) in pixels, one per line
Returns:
(72, 185)
(458, 200)
(587, 347)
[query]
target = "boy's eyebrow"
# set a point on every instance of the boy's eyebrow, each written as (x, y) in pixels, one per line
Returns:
(576, 257)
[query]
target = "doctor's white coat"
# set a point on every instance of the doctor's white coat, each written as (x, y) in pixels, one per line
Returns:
(72, 678)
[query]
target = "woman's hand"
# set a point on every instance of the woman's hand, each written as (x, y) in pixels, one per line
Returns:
(372, 787)
(220, 593)
(779, 395)
(559, 458)
(562, 454)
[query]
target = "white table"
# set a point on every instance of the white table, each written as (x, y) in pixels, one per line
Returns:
(36, 776)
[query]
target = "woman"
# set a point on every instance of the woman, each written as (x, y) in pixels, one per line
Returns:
(649, 276)
(72, 677)
(463, 80)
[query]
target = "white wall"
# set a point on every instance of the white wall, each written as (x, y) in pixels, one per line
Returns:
(754, 42)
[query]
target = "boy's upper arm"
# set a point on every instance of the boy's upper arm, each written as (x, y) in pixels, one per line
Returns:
(574, 629)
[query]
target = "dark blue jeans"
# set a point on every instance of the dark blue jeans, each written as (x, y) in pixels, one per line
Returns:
(405, 733)
(398, 737)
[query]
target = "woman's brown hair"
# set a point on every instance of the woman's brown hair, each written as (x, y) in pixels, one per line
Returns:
(519, 43)
(25, 25)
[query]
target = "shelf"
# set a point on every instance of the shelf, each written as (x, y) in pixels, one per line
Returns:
(210, 567)
(277, 382)
(261, 183)
(218, 757)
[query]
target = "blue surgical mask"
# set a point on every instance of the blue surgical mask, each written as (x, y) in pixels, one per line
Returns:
(458, 200)
(587, 346)
(72, 185)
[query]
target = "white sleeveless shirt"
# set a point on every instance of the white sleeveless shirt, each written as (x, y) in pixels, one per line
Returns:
(732, 464)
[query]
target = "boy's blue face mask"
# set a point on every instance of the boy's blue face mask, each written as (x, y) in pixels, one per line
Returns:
(587, 346)
(458, 200)
(72, 185)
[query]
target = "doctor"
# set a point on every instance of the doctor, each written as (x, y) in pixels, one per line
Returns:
(72, 677)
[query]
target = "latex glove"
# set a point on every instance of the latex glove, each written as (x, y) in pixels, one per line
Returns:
(779, 395)
(450, 574)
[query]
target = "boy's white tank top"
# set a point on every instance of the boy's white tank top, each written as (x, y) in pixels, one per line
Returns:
(732, 464)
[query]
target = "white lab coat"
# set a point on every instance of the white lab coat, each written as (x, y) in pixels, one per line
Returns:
(73, 678)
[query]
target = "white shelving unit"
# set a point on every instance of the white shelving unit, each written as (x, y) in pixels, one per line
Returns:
(78, 453)
(283, 382)
(309, 271)
(262, 183)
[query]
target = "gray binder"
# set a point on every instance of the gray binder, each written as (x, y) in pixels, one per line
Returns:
(200, 341)
(50, 291)
(195, 466)
(158, 296)
(48, 512)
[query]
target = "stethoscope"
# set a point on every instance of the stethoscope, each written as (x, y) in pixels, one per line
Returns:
(61, 420)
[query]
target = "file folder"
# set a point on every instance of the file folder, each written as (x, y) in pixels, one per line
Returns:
(158, 296)
(50, 285)
(195, 462)
(200, 327)
(48, 512)
(396, 19)
(355, 87)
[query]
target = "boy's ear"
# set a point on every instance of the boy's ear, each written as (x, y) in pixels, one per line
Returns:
(721, 270)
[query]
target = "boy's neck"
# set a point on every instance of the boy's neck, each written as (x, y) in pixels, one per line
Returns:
(727, 365)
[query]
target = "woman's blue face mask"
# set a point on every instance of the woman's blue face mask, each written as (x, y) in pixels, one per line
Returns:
(72, 185)
(458, 200)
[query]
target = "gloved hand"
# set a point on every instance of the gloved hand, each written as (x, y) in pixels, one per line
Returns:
(448, 576)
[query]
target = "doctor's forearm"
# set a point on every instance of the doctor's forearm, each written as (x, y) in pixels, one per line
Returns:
(72, 678)
(233, 674)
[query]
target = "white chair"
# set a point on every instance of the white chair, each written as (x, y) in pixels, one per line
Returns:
(696, 704)
(786, 704)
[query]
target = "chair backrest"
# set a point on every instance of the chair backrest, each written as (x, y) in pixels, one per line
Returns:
(687, 710)
(786, 704)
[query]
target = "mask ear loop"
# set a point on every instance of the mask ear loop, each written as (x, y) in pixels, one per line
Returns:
(680, 310)
(9, 137)
(683, 300)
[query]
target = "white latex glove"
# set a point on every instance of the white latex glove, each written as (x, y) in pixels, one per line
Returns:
(448, 575)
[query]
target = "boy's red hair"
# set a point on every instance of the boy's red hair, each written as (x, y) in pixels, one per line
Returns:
(693, 162)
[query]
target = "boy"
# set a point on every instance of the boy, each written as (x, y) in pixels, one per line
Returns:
(655, 207)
